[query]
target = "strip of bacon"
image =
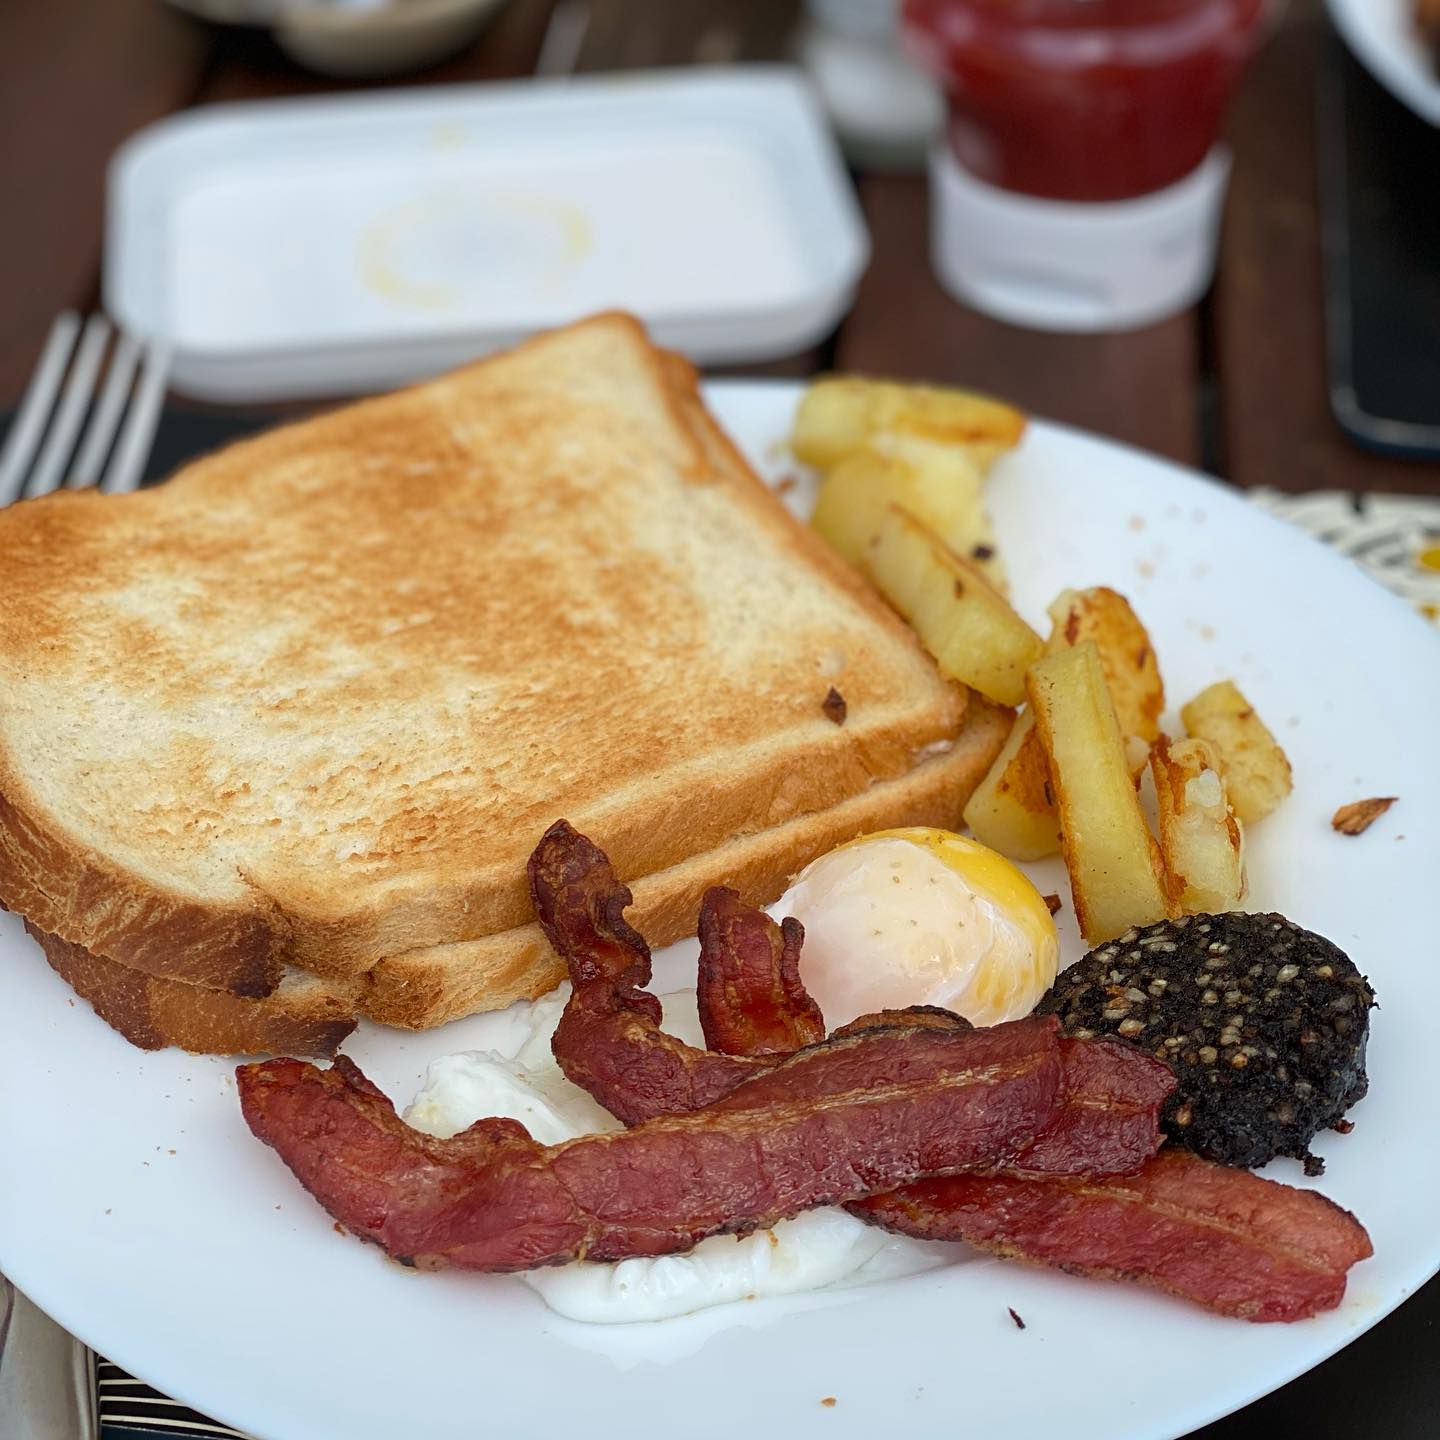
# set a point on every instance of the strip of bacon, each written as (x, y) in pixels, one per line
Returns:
(1110, 1121)
(924, 1016)
(1113, 1092)
(1231, 1241)
(581, 906)
(749, 992)
(829, 1124)
(609, 1041)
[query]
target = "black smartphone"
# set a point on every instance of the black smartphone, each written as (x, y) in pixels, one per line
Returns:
(1380, 213)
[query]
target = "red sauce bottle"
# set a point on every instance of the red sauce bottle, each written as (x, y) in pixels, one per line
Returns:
(1087, 100)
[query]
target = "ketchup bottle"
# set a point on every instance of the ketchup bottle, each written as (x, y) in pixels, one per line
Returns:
(1090, 104)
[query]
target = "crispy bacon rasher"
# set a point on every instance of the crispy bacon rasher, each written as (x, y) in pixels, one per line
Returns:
(609, 1041)
(749, 993)
(1089, 1196)
(831, 1123)
(1109, 1123)
(1231, 1241)
(1001, 1137)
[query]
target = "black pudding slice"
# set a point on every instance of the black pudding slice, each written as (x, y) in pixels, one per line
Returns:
(1263, 1023)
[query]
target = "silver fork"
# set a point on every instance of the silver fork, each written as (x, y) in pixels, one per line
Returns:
(42, 440)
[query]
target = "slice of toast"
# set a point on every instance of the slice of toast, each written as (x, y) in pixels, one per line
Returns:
(310, 703)
(304, 1015)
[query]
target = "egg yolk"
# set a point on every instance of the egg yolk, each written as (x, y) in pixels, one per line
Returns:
(922, 917)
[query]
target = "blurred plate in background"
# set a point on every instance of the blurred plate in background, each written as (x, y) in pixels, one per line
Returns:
(1382, 35)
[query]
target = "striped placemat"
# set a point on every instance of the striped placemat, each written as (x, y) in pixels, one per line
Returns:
(129, 1408)
(1394, 538)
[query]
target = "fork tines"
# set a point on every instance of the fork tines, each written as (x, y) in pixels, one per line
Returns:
(43, 437)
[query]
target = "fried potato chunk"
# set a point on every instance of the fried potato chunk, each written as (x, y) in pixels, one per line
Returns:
(938, 484)
(841, 413)
(1013, 809)
(1127, 657)
(960, 617)
(1201, 839)
(1116, 874)
(1256, 770)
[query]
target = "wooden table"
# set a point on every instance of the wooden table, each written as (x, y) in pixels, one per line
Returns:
(1236, 385)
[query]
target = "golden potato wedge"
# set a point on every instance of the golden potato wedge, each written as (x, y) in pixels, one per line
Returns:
(938, 484)
(1126, 656)
(1256, 770)
(960, 617)
(839, 414)
(1201, 840)
(1012, 809)
(931, 472)
(1116, 874)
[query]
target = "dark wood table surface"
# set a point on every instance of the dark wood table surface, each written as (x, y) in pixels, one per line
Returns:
(1236, 385)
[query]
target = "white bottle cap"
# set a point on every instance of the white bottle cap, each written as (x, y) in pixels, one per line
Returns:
(1062, 265)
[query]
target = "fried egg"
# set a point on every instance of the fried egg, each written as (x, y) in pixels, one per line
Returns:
(921, 917)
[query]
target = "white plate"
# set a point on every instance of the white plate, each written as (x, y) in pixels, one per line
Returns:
(339, 244)
(1382, 36)
(135, 1206)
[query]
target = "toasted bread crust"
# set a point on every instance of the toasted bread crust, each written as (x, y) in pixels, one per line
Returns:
(431, 986)
(69, 891)
(152, 1012)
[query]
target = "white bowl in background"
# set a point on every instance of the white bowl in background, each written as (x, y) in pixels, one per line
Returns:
(392, 39)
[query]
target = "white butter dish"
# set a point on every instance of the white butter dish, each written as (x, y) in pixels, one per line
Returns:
(333, 246)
